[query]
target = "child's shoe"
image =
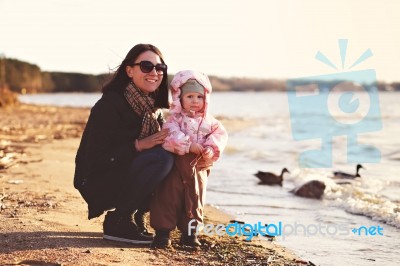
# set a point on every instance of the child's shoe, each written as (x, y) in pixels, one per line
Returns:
(161, 239)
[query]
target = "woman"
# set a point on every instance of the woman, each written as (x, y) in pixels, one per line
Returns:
(120, 160)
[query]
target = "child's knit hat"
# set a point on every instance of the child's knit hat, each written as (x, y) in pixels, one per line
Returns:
(192, 86)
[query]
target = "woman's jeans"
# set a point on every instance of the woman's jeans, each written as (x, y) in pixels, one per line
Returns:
(148, 169)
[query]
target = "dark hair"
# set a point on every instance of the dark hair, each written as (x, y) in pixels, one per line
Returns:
(120, 79)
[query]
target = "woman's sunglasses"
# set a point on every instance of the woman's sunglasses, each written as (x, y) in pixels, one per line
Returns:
(147, 67)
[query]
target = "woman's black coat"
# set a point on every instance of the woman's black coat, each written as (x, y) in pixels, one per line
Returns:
(106, 151)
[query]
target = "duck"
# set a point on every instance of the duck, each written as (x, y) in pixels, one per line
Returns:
(269, 178)
(344, 175)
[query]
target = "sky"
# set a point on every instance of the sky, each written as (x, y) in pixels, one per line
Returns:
(227, 38)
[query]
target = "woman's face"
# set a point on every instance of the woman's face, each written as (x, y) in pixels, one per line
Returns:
(146, 82)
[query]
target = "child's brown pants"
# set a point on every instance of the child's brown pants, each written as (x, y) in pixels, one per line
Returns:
(181, 196)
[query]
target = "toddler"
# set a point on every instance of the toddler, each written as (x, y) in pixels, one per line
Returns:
(197, 139)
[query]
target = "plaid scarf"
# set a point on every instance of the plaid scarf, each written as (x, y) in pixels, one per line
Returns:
(143, 105)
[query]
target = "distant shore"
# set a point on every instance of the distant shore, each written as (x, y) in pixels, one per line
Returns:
(37, 81)
(43, 219)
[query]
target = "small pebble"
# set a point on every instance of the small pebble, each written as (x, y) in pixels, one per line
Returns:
(15, 181)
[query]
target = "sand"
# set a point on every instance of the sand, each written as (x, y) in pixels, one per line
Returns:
(43, 219)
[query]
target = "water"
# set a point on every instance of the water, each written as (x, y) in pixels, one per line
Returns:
(372, 201)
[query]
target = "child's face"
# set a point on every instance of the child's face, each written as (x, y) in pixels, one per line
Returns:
(193, 101)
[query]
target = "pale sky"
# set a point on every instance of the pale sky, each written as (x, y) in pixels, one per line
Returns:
(263, 38)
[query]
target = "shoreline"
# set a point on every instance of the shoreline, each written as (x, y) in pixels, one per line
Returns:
(43, 218)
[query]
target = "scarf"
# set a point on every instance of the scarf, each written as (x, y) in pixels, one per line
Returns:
(143, 105)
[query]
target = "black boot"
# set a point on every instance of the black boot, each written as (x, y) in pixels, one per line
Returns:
(139, 218)
(119, 227)
(161, 240)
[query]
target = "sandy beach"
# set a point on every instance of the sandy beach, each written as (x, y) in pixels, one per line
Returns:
(43, 219)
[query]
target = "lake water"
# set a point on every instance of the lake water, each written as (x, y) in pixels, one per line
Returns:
(324, 227)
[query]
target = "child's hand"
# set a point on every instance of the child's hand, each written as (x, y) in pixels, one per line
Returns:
(208, 152)
(196, 148)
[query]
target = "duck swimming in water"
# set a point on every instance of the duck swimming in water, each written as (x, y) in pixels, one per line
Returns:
(269, 178)
(343, 175)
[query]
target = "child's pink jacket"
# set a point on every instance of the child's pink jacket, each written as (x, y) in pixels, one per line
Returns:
(193, 127)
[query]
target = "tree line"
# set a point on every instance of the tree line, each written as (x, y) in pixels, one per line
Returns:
(24, 77)
(21, 76)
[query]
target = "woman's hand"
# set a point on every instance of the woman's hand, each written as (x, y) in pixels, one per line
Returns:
(153, 140)
(196, 148)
